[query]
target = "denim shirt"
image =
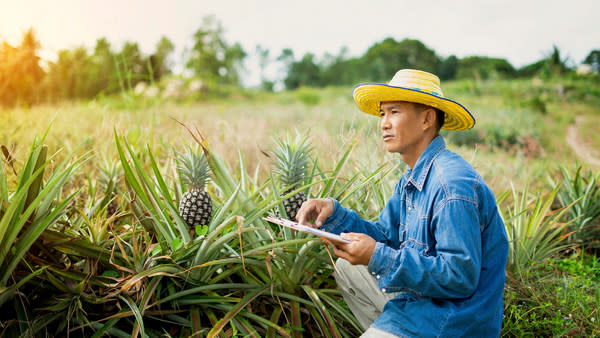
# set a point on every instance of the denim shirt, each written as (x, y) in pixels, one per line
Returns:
(442, 245)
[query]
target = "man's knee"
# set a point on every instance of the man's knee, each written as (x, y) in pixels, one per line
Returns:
(342, 264)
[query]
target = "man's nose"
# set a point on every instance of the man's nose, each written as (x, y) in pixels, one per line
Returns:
(385, 122)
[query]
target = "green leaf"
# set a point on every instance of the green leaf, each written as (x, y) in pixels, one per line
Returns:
(156, 250)
(110, 273)
(176, 243)
(201, 230)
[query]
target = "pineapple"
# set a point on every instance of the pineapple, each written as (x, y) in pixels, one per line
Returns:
(195, 206)
(291, 168)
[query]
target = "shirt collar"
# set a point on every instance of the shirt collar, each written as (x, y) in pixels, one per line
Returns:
(417, 175)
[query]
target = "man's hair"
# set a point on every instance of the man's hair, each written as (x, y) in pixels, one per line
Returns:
(440, 115)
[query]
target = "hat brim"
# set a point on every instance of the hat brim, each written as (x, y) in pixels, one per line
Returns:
(368, 97)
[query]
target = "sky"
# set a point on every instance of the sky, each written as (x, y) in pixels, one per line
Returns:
(521, 31)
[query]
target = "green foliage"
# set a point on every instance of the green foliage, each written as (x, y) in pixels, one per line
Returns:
(448, 68)
(593, 59)
(291, 159)
(582, 191)
(213, 59)
(76, 74)
(303, 73)
(308, 96)
(20, 71)
(385, 58)
(557, 298)
(193, 168)
(552, 65)
(534, 233)
(33, 206)
(482, 68)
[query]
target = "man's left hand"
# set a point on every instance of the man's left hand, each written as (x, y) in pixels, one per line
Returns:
(357, 252)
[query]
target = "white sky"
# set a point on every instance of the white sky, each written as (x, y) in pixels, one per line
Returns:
(522, 31)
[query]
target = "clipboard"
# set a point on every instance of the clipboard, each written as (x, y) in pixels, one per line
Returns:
(304, 228)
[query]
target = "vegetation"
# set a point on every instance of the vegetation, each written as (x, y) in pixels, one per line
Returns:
(92, 241)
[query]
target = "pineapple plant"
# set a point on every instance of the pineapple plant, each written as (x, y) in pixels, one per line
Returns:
(290, 158)
(108, 181)
(195, 206)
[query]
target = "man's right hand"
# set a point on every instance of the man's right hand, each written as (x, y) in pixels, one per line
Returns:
(317, 210)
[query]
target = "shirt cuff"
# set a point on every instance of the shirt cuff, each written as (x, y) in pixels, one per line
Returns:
(378, 263)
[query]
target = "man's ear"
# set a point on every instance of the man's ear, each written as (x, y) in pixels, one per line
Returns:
(429, 117)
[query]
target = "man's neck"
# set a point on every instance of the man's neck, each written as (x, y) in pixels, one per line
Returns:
(419, 149)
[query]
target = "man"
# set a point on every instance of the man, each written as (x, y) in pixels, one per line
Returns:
(433, 263)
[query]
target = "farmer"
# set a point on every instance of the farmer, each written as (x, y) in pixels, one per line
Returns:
(433, 263)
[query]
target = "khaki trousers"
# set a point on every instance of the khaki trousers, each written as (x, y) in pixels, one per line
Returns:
(363, 296)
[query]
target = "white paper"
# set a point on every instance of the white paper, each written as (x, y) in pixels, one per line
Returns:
(304, 228)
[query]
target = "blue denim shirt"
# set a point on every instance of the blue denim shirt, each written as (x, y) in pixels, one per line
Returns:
(442, 245)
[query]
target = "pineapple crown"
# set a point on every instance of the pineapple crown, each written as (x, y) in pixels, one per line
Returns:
(291, 159)
(193, 168)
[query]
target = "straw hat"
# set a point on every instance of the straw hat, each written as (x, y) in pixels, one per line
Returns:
(413, 86)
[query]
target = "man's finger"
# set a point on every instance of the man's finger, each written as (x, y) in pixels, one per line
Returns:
(340, 253)
(321, 219)
(302, 213)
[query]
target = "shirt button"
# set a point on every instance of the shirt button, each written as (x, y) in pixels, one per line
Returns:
(378, 276)
(409, 208)
(383, 290)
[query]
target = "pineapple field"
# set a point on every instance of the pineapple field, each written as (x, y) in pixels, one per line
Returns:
(136, 216)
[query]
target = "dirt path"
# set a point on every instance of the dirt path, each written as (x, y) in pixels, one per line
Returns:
(582, 150)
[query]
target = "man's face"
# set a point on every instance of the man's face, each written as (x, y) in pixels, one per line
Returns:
(401, 126)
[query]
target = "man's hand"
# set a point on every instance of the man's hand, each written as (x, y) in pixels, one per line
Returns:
(357, 252)
(317, 210)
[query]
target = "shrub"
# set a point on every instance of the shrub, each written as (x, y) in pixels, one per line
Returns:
(308, 96)
(582, 190)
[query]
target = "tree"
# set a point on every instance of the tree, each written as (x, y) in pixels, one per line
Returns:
(263, 62)
(131, 66)
(593, 59)
(448, 68)
(159, 65)
(212, 58)
(483, 67)
(70, 77)
(104, 69)
(383, 59)
(20, 71)
(303, 73)
(551, 65)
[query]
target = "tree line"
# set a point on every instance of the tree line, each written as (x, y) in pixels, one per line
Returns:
(80, 74)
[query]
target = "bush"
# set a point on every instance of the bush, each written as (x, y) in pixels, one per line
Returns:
(308, 96)
(583, 191)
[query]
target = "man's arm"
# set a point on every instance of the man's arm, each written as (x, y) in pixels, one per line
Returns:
(452, 271)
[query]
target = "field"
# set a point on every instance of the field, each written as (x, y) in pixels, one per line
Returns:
(72, 267)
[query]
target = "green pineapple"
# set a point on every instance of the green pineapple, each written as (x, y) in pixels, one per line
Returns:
(195, 206)
(291, 159)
